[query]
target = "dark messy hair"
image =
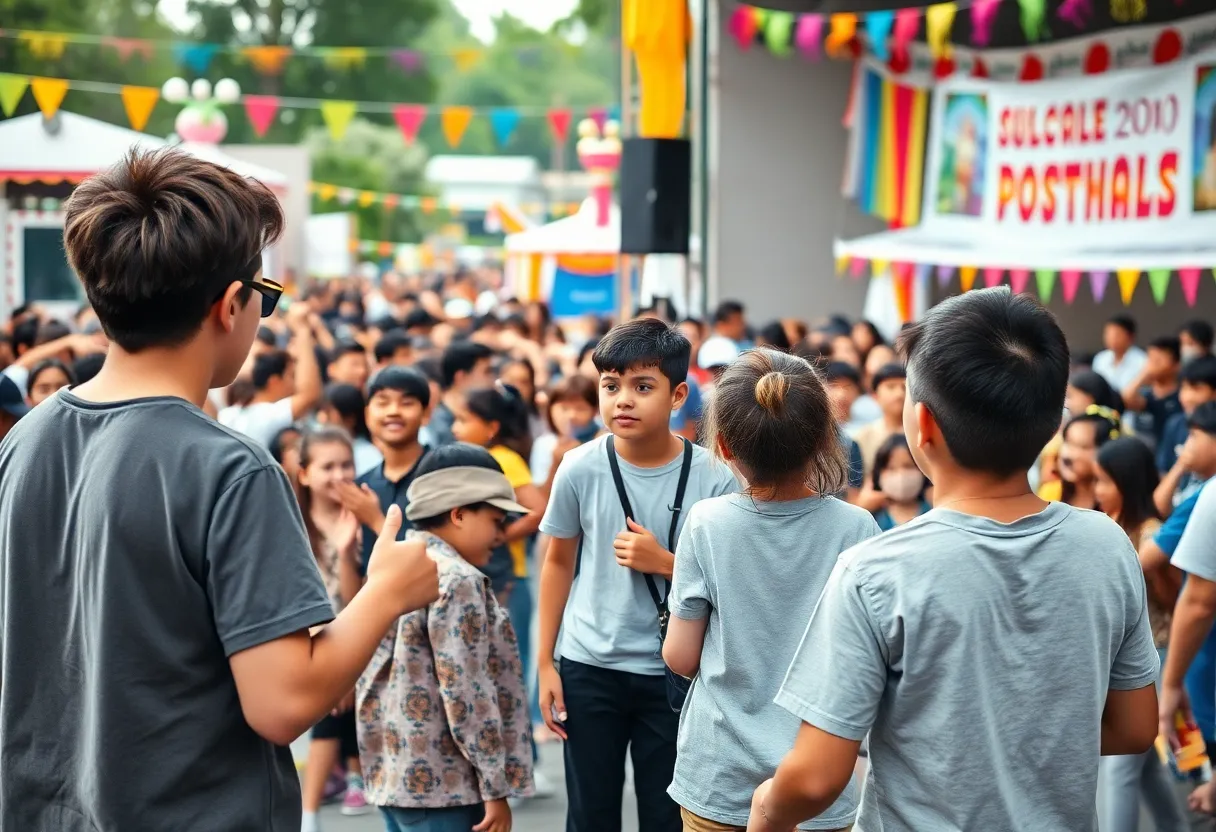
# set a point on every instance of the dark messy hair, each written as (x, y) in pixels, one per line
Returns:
(283, 441)
(1098, 389)
(1125, 322)
(503, 405)
(773, 414)
(268, 365)
(159, 237)
(49, 364)
(390, 342)
(1201, 332)
(533, 410)
(726, 310)
(575, 388)
(348, 402)
(644, 342)
(405, 380)
(454, 455)
(1168, 344)
(773, 335)
(1200, 371)
(462, 356)
(309, 441)
(1132, 467)
(992, 368)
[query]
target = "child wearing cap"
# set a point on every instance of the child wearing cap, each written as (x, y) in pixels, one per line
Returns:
(444, 734)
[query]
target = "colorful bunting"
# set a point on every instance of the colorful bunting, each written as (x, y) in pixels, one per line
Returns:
(267, 60)
(808, 35)
(139, 103)
(938, 19)
(1033, 14)
(503, 122)
(261, 110)
(49, 93)
(842, 262)
(944, 275)
(409, 118)
(1045, 282)
(1097, 284)
(857, 267)
(196, 56)
(409, 60)
(559, 124)
(1128, 11)
(1159, 282)
(1076, 13)
(466, 58)
(126, 47)
(1189, 278)
(743, 25)
(878, 28)
(879, 267)
(983, 15)
(993, 276)
(842, 30)
(344, 57)
(12, 88)
(1019, 279)
(901, 280)
(45, 45)
(922, 274)
(1071, 278)
(367, 199)
(966, 277)
(1128, 278)
(455, 122)
(777, 29)
(600, 116)
(337, 116)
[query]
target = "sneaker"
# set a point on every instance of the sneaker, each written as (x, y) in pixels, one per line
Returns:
(542, 787)
(355, 803)
(335, 787)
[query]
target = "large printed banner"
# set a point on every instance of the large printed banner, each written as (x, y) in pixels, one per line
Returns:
(1097, 161)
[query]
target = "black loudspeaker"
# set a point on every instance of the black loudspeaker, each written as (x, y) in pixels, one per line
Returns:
(656, 196)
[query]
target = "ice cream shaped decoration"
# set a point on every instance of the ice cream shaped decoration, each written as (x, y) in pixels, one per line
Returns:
(600, 155)
(201, 120)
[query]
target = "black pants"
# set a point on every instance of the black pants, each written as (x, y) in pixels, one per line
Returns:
(608, 711)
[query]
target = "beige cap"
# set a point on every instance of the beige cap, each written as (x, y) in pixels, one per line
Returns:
(438, 492)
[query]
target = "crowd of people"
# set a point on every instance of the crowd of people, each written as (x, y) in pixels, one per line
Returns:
(434, 528)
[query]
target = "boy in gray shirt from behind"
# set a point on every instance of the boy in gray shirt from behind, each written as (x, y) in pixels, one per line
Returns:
(993, 648)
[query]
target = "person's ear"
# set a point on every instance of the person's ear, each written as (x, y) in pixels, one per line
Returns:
(679, 395)
(724, 451)
(456, 517)
(926, 426)
(228, 307)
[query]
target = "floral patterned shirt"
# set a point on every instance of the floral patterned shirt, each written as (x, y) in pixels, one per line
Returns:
(443, 719)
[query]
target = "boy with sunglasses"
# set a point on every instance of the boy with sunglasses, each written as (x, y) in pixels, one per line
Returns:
(157, 587)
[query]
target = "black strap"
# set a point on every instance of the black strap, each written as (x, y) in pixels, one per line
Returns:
(660, 601)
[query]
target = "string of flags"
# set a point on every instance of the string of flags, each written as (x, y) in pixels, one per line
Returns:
(261, 110)
(265, 59)
(904, 274)
(328, 192)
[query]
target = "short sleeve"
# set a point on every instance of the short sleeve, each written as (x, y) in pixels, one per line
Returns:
(689, 597)
(839, 672)
(562, 518)
(262, 579)
(272, 417)
(513, 466)
(1136, 663)
(1195, 553)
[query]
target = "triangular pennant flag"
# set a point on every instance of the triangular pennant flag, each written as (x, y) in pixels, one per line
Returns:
(777, 30)
(344, 57)
(922, 273)
(139, 103)
(808, 35)
(1045, 282)
(944, 275)
(966, 277)
(559, 124)
(12, 88)
(409, 119)
(983, 15)
(1189, 278)
(901, 279)
(907, 24)
(126, 47)
(409, 60)
(346, 196)
(45, 45)
(600, 116)
(743, 25)
(196, 56)
(1071, 278)
(1097, 284)
(1128, 278)
(1159, 282)
(993, 276)
(857, 267)
(842, 30)
(261, 110)
(367, 199)
(326, 193)
(49, 93)
(1019, 279)
(879, 267)
(842, 262)
(390, 201)
(466, 58)
(268, 60)
(455, 122)
(337, 115)
(878, 28)
(1034, 19)
(503, 121)
(938, 19)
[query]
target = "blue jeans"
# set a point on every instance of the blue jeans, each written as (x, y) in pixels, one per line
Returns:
(451, 819)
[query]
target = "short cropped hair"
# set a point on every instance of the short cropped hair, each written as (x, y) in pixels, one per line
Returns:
(1200, 371)
(159, 237)
(405, 380)
(992, 368)
(390, 342)
(1125, 322)
(462, 356)
(644, 342)
(1168, 344)
(1201, 332)
(268, 365)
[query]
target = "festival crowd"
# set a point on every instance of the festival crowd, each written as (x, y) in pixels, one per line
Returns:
(433, 527)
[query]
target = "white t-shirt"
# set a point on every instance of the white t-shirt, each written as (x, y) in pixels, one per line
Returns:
(1120, 374)
(260, 421)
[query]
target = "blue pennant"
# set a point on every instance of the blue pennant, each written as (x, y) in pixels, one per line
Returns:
(504, 120)
(197, 56)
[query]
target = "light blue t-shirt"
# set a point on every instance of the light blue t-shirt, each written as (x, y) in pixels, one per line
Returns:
(756, 569)
(610, 619)
(977, 652)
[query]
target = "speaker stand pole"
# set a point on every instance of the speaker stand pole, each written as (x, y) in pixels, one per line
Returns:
(624, 284)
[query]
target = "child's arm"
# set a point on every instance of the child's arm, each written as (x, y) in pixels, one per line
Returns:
(533, 499)
(556, 578)
(688, 603)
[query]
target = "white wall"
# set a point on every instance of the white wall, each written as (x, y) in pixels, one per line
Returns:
(775, 198)
(294, 162)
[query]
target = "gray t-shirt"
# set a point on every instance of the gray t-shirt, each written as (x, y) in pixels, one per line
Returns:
(978, 656)
(141, 545)
(610, 619)
(1196, 552)
(756, 569)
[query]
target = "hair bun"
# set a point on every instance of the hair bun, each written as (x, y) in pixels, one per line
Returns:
(771, 390)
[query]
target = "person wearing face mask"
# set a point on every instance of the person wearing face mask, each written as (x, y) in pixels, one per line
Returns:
(1196, 339)
(902, 484)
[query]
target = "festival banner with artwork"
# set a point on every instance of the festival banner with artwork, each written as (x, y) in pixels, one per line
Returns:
(1102, 161)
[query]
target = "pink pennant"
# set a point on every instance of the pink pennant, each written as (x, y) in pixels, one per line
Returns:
(407, 59)
(1097, 284)
(743, 26)
(983, 15)
(600, 116)
(126, 47)
(944, 275)
(1071, 279)
(808, 37)
(1189, 278)
(993, 276)
(1018, 280)
(409, 119)
(907, 24)
(260, 110)
(1076, 13)
(857, 267)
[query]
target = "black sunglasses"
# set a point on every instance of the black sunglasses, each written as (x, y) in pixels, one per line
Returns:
(268, 289)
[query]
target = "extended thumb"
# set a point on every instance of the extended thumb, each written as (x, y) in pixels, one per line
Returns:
(635, 526)
(392, 523)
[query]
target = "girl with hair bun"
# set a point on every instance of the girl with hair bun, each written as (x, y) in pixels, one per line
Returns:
(749, 569)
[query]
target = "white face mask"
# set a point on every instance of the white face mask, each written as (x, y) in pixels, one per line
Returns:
(902, 486)
(1190, 354)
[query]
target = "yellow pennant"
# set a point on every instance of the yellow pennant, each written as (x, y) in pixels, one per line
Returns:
(326, 192)
(466, 58)
(938, 19)
(139, 103)
(455, 122)
(1128, 278)
(337, 115)
(842, 28)
(966, 277)
(879, 267)
(366, 199)
(345, 57)
(44, 44)
(49, 93)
